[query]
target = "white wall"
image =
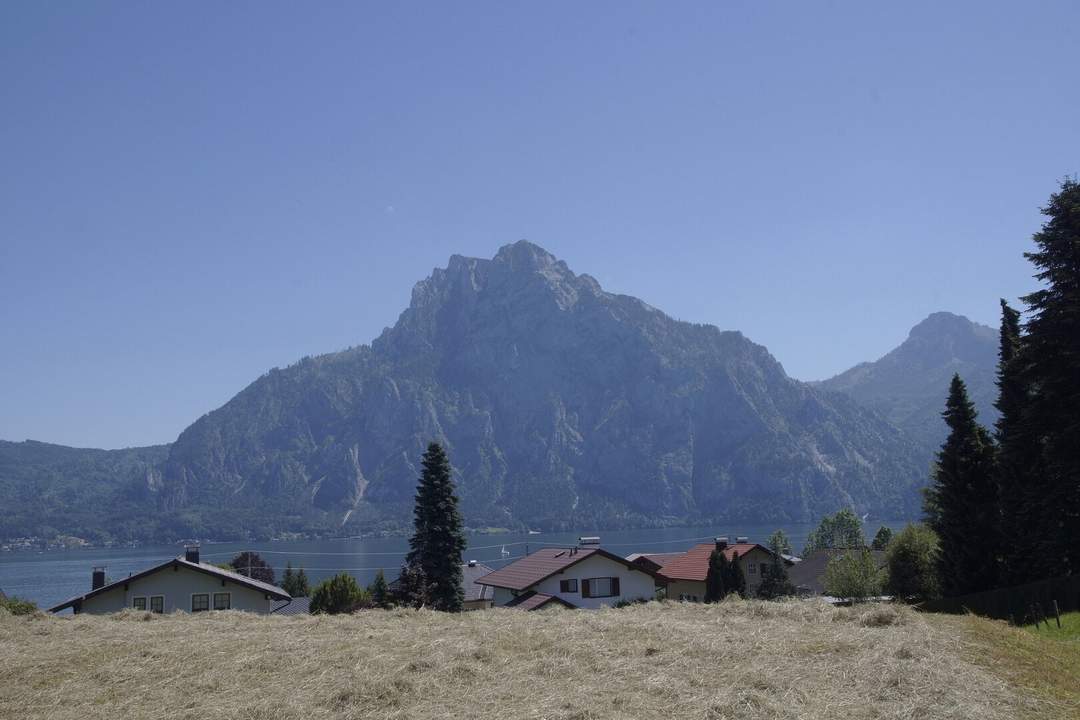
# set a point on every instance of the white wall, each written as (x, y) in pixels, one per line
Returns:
(177, 586)
(633, 584)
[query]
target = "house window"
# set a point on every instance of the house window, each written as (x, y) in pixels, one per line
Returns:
(138, 603)
(200, 602)
(157, 604)
(222, 601)
(751, 568)
(568, 586)
(600, 587)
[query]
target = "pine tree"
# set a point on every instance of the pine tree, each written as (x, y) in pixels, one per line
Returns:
(380, 593)
(774, 576)
(339, 594)
(438, 540)
(735, 581)
(288, 579)
(302, 588)
(965, 500)
(1051, 349)
(842, 530)
(716, 577)
(882, 538)
(1016, 456)
(779, 543)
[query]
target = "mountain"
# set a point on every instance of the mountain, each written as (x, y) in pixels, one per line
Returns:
(909, 385)
(53, 490)
(561, 405)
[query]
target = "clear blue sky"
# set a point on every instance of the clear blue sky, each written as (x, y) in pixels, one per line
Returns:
(193, 193)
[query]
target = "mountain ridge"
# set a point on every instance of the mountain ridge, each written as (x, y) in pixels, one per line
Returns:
(562, 405)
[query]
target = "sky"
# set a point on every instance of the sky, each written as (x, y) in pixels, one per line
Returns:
(194, 193)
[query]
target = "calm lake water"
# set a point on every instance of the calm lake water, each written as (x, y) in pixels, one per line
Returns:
(53, 576)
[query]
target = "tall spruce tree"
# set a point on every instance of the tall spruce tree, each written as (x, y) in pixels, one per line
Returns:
(1015, 455)
(963, 500)
(716, 577)
(439, 539)
(735, 582)
(1051, 348)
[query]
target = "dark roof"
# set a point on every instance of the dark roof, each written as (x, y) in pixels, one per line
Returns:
(809, 575)
(534, 601)
(473, 590)
(296, 606)
(653, 561)
(694, 563)
(272, 590)
(542, 564)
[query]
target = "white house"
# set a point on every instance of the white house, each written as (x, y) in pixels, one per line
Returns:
(183, 583)
(580, 577)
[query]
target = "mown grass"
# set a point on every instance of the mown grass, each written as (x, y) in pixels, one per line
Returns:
(1043, 665)
(739, 659)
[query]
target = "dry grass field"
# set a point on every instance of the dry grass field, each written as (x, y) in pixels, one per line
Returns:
(739, 659)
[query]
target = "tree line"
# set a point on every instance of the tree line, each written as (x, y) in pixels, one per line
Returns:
(1005, 503)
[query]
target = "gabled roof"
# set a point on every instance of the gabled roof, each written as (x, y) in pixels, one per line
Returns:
(296, 606)
(694, 563)
(542, 564)
(273, 591)
(534, 601)
(470, 573)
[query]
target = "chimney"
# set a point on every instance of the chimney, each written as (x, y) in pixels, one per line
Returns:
(97, 578)
(721, 543)
(742, 539)
(191, 553)
(472, 563)
(589, 540)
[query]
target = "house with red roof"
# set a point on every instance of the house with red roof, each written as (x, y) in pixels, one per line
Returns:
(579, 577)
(685, 575)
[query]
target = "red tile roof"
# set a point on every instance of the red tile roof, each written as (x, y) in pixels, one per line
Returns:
(535, 601)
(694, 563)
(542, 564)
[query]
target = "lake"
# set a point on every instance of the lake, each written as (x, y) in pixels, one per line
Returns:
(50, 577)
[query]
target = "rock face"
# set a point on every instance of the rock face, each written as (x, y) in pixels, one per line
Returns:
(909, 385)
(561, 406)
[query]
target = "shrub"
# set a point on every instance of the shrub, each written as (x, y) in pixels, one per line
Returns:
(853, 576)
(339, 594)
(15, 606)
(912, 562)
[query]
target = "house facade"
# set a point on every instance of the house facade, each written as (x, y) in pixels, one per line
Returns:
(182, 584)
(579, 577)
(685, 576)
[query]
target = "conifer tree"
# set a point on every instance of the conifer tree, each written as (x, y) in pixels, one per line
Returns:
(882, 538)
(288, 579)
(1051, 350)
(774, 576)
(1016, 454)
(439, 539)
(716, 578)
(380, 593)
(302, 587)
(964, 500)
(735, 581)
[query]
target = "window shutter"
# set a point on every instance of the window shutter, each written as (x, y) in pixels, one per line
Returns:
(585, 589)
(615, 586)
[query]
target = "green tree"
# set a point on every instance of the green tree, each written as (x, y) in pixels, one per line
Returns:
(379, 591)
(294, 583)
(842, 530)
(853, 575)
(1016, 451)
(963, 494)
(735, 582)
(912, 561)
(251, 565)
(17, 606)
(716, 577)
(1051, 350)
(774, 576)
(339, 594)
(439, 538)
(779, 543)
(882, 538)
